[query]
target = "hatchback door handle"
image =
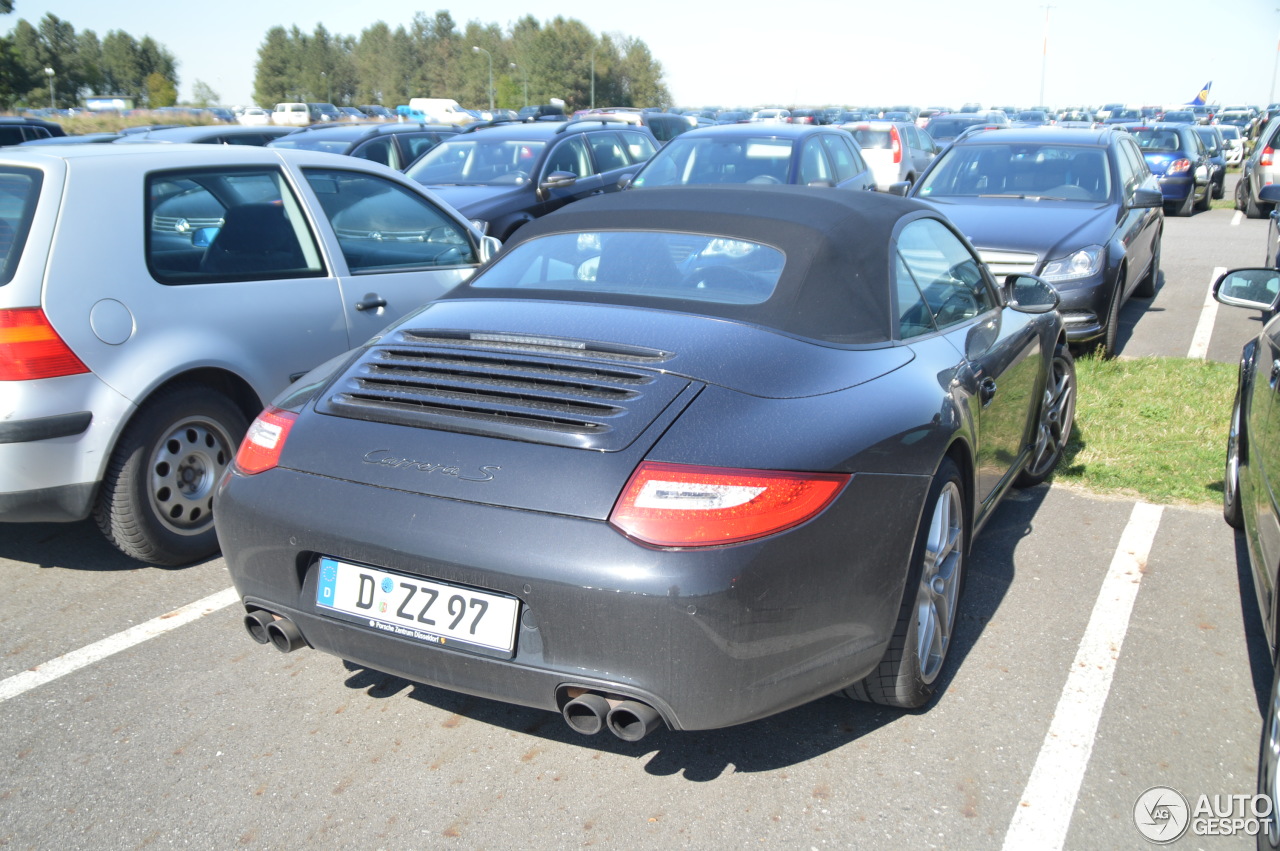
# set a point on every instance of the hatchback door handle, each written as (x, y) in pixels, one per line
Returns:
(1275, 374)
(371, 301)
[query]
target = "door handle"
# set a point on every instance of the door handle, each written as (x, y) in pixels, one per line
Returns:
(1275, 374)
(371, 301)
(987, 390)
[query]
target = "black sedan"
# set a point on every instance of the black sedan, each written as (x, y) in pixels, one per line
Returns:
(688, 456)
(1078, 207)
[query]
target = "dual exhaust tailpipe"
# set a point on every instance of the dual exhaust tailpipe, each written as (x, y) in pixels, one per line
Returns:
(281, 633)
(630, 720)
(587, 712)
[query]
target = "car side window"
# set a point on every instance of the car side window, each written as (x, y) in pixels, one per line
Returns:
(844, 158)
(607, 150)
(384, 226)
(212, 225)
(814, 167)
(415, 145)
(950, 278)
(1124, 165)
(914, 316)
(571, 156)
(639, 147)
(377, 150)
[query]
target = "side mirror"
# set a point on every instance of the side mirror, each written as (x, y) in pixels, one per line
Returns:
(489, 248)
(900, 189)
(1256, 288)
(1147, 198)
(555, 180)
(1030, 294)
(624, 182)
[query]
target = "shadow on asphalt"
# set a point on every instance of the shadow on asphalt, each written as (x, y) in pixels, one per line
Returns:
(1260, 664)
(782, 740)
(68, 546)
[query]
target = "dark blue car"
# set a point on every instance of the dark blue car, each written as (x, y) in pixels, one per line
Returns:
(1176, 155)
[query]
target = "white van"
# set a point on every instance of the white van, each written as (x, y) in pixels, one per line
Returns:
(291, 113)
(440, 111)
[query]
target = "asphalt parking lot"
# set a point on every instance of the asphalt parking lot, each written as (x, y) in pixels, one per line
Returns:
(1106, 647)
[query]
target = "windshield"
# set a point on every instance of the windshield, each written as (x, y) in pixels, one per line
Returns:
(641, 263)
(708, 159)
(478, 162)
(1042, 171)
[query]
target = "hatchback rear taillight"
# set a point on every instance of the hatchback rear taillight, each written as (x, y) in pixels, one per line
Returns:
(31, 349)
(1268, 155)
(1181, 166)
(680, 505)
(264, 441)
(896, 141)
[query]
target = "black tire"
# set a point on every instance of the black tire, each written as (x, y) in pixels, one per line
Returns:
(1231, 510)
(1186, 207)
(1147, 286)
(1111, 325)
(907, 675)
(1241, 188)
(1252, 209)
(1220, 187)
(1057, 414)
(1207, 201)
(156, 499)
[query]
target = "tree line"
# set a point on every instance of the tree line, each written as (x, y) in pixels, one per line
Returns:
(117, 64)
(431, 57)
(532, 64)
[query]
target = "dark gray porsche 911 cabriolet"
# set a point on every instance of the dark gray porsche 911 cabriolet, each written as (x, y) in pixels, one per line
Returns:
(688, 456)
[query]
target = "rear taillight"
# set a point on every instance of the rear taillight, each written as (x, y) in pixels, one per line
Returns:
(1178, 167)
(1267, 156)
(264, 441)
(679, 505)
(30, 348)
(896, 141)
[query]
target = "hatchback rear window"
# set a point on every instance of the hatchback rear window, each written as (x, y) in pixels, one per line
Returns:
(874, 139)
(1163, 141)
(19, 192)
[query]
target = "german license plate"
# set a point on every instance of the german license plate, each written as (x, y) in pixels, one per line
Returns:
(419, 609)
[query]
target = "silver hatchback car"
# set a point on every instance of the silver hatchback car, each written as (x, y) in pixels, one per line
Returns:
(154, 298)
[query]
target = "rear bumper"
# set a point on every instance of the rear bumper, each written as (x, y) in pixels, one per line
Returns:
(55, 437)
(709, 637)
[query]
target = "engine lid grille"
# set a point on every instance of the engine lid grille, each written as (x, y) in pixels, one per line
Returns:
(503, 385)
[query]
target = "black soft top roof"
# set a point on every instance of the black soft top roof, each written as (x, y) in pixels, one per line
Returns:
(835, 285)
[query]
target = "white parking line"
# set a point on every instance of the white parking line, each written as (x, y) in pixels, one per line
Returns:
(77, 659)
(1045, 808)
(1208, 315)
(1237, 218)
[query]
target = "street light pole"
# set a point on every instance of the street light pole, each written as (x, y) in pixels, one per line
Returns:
(490, 55)
(1044, 55)
(49, 73)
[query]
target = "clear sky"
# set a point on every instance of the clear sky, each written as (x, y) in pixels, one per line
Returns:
(758, 52)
